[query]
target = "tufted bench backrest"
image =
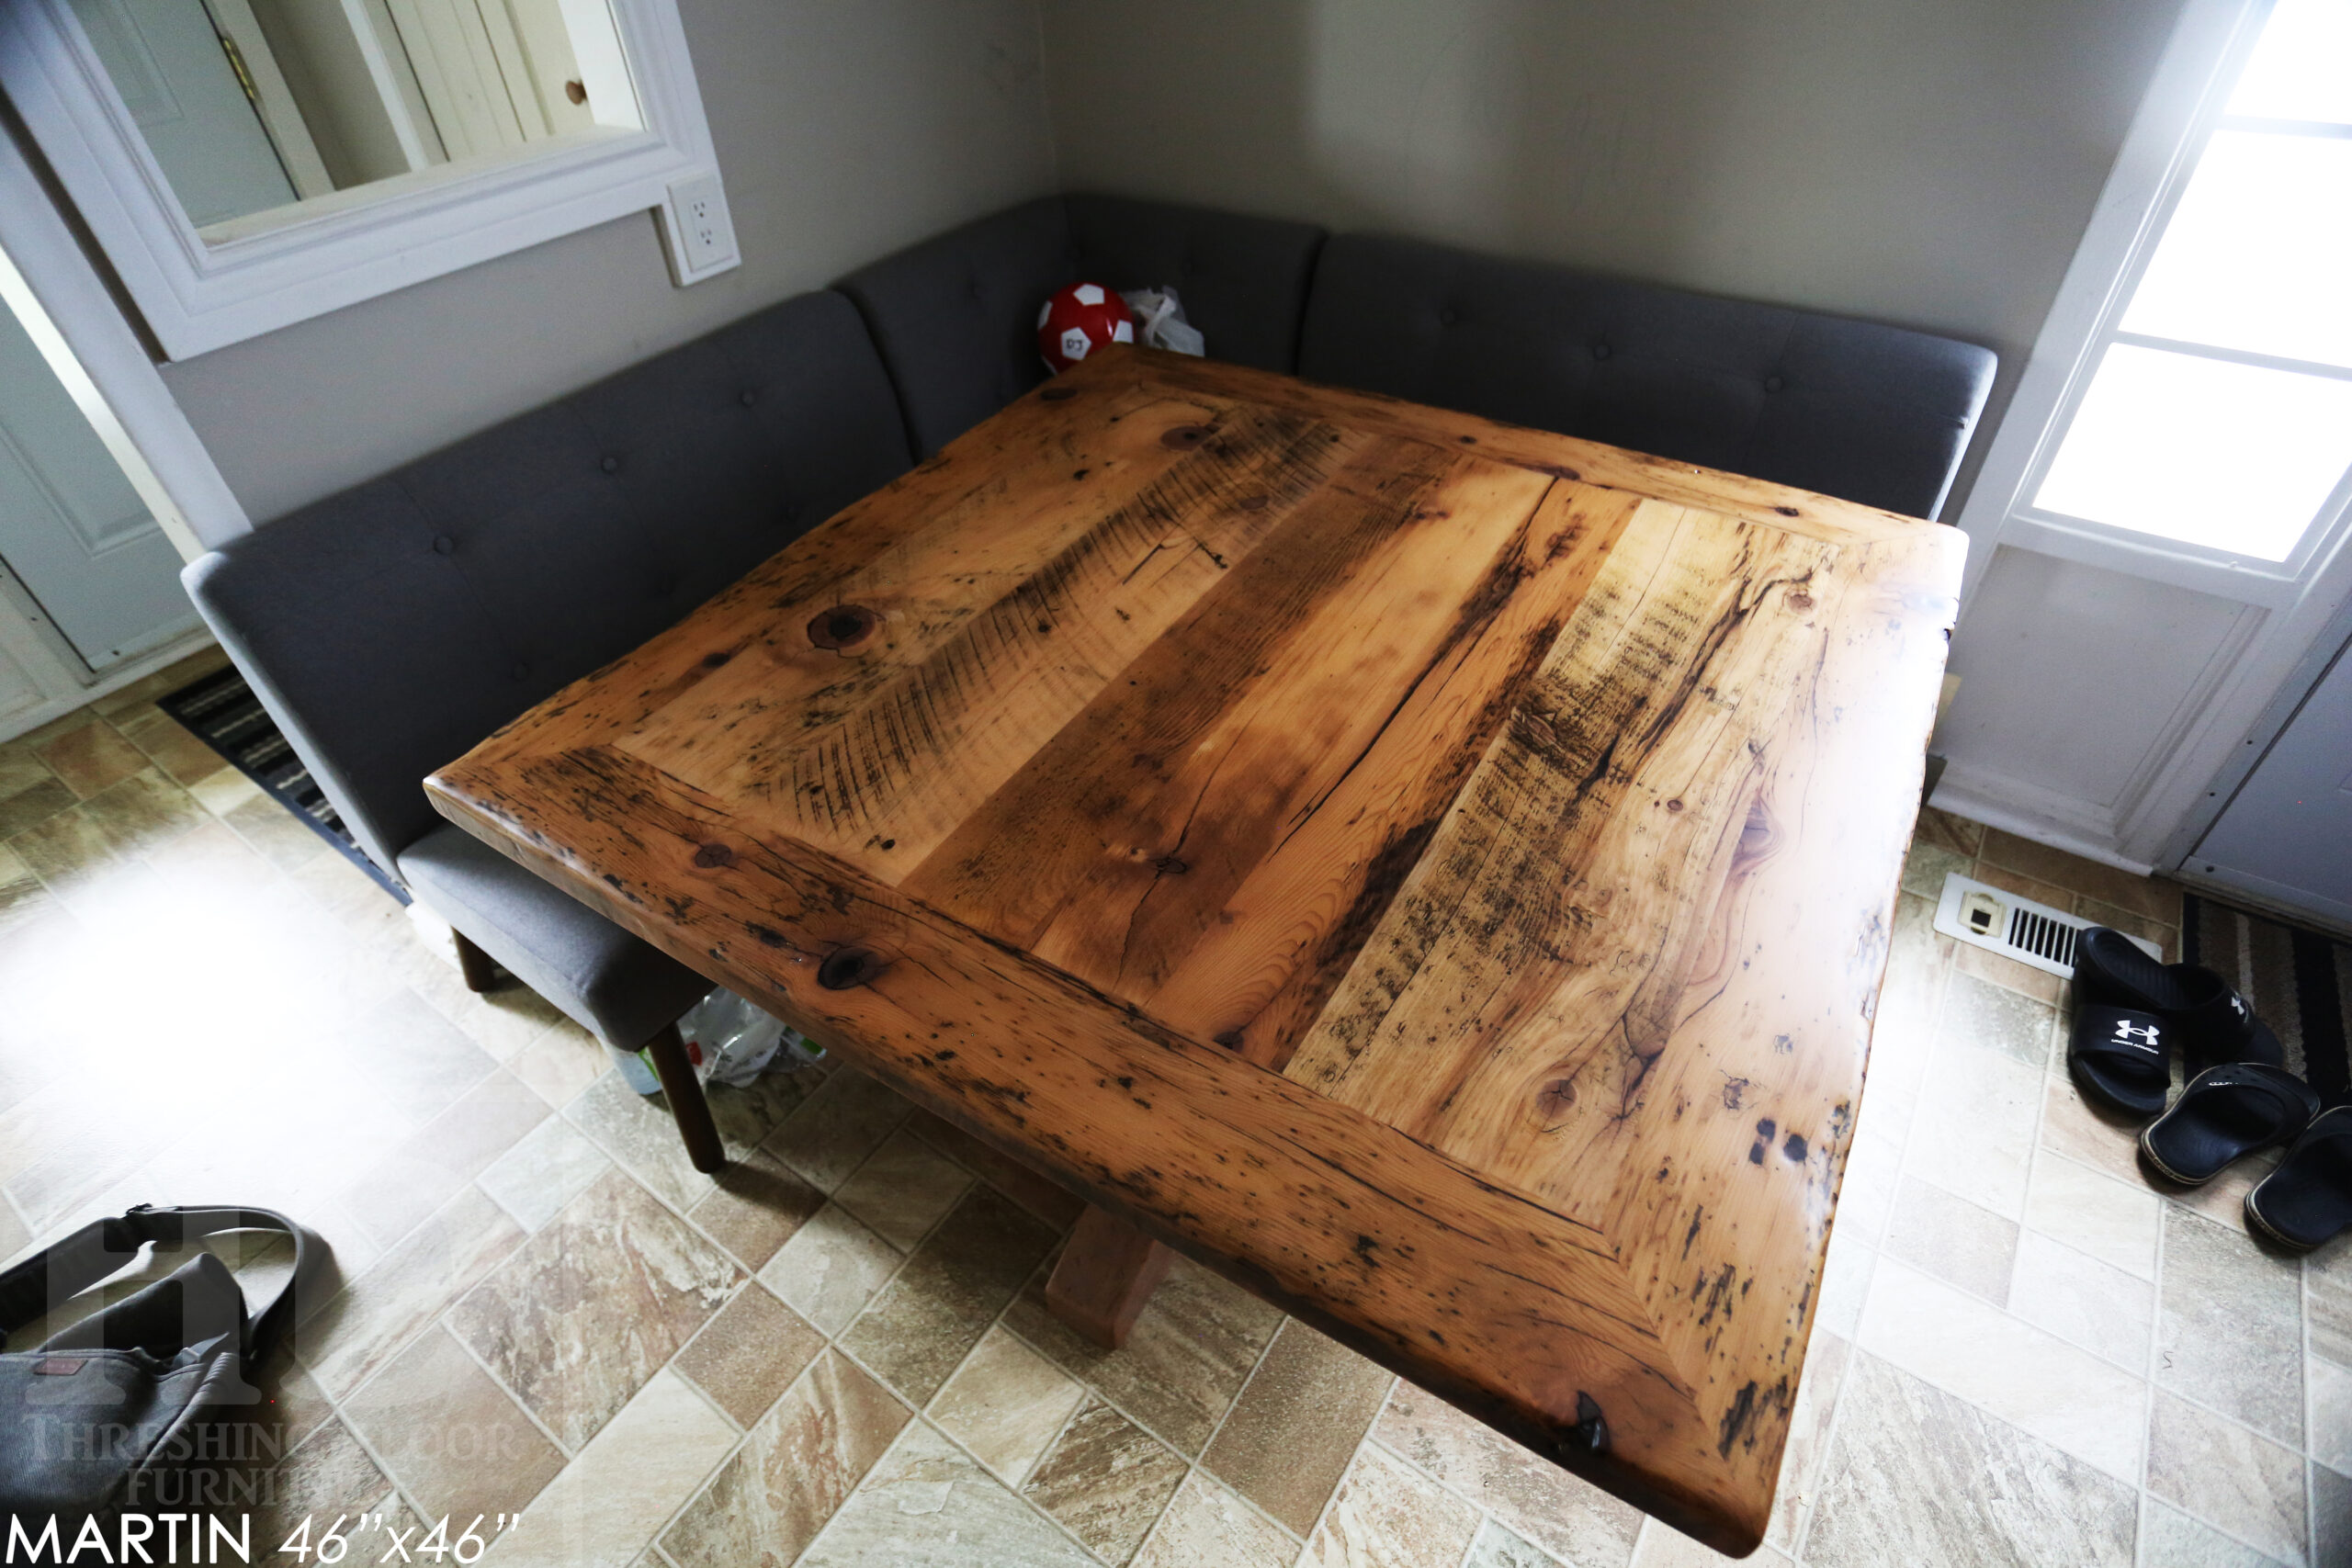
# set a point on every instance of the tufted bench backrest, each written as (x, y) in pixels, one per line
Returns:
(956, 317)
(390, 627)
(1865, 413)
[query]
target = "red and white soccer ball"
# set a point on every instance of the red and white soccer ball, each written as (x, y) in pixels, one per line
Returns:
(1080, 320)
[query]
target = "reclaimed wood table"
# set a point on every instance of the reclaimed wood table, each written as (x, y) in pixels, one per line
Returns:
(1437, 873)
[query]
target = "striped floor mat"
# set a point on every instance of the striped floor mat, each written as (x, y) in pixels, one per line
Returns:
(222, 711)
(2299, 983)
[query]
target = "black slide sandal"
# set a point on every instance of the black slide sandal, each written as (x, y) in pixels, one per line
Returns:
(2120, 1057)
(2225, 1115)
(2213, 1024)
(2308, 1199)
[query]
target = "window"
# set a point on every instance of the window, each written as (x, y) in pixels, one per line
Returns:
(247, 163)
(2217, 412)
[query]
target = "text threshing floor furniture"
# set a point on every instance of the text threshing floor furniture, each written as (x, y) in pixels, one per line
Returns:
(1437, 873)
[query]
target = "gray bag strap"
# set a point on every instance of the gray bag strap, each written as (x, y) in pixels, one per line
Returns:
(51, 1277)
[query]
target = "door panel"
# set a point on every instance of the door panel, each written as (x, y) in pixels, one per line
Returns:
(71, 526)
(2288, 835)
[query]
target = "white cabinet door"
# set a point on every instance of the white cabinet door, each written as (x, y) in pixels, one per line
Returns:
(2287, 836)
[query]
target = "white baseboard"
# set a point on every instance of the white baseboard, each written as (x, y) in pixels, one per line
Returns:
(2030, 812)
(114, 680)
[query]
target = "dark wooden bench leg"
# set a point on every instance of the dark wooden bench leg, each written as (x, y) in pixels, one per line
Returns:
(1106, 1274)
(684, 1092)
(480, 968)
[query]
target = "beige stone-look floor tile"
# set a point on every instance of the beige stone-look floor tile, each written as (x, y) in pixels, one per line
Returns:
(2331, 1499)
(846, 1120)
(546, 1168)
(603, 1510)
(2114, 1221)
(1208, 1525)
(1973, 1133)
(507, 1021)
(1571, 1518)
(2089, 1137)
(2223, 1200)
(223, 792)
(1385, 1516)
(91, 757)
(1291, 1433)
(1919, 1476)
(1106, 1480)
(754, 1207)
(2229, 1328)
(1957, 834)
(1663, 1548)
(329, 1473)
(903, 1190)
(1982, 964)
(1977, 1012)
(2083, 1301)
(2164, 934)
(2217, 1471)
(2170, 1539)
(1500, 1546)
(831, 1268)
(928, 1505)
(171, 747)
(2027, 1376)
(427, 1169)
(1845, 1285)
(584, 1313)
(23, 899)
(1005, 1403)
(408, 1287)
(273, 834)
(1183, 1365)
(2327, 1303)
(2024, 886)
(2328, 1388)
(28, 807)
(1808, 1443)
(561, 1064)
(1034, 1192)
(1928, 863)
(639, 1134)
(750, 1353)
(1873, 1178)
(793, 1469)
(1953, 1239)
(456, 1441)
(928, 1319)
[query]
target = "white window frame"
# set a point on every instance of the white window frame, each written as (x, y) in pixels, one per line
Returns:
(2284, 605)
(201, 291)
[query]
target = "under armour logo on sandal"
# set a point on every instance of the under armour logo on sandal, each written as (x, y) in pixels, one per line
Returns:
(2144, 1035)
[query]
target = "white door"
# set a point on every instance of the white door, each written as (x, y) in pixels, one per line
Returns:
(175, 77)
(2287, 836)
(72, 528)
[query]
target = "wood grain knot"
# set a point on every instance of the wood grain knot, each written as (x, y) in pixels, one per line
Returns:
(1675, 805)
(711, 855)
(1185, 438)
(1800, 600)
(1058, 394)
(1593, 1427)
(1255, 502)
(1558, 1095)
(846, 968)
(712, 660)
(843, 628)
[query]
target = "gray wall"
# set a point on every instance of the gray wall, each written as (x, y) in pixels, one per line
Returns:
(1930, 162)
(845, 129)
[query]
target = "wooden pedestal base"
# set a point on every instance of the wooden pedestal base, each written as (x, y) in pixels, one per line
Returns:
(1107, 1273)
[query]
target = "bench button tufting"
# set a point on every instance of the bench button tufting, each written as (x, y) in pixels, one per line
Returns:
(748, 399)
(1600, 351)
(444, 546)
(1447, 318)
(522, 669)
(610, 464)
(1773, 383)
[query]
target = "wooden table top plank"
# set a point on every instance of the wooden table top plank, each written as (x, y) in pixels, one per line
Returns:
(1559, 836)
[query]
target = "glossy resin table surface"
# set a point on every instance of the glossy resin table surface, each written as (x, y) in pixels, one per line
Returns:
(1436, 872)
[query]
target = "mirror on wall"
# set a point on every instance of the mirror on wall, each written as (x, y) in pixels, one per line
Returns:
(250, 107)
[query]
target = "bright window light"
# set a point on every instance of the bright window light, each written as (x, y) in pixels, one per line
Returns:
(2258, 254)
(2302, 68)
(2235, 457)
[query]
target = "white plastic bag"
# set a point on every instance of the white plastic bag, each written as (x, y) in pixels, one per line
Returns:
(730, 1041)
(1161, 323)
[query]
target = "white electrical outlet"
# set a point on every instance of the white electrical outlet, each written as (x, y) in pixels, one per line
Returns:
(705, 237)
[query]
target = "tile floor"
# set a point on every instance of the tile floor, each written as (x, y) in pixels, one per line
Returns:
(838, 1354)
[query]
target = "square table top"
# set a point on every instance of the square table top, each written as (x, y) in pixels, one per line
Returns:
(1438, 873)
